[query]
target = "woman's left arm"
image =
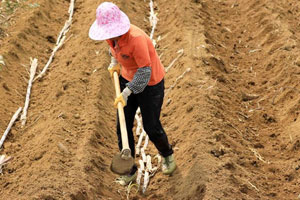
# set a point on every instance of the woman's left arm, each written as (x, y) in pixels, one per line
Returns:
(140, 80)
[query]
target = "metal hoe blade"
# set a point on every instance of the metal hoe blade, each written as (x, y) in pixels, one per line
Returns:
(122, 163)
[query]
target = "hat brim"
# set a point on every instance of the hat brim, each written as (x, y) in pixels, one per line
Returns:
(111, 30)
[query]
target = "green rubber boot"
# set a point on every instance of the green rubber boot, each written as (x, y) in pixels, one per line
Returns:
(126, 179)
(168, 165)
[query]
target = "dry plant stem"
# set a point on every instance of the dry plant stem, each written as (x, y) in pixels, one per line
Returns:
(247, 174)
(33, 67)
(60, 40)
(139, 125)
(149, 164)
(179, 77)
(139, 176)
(143, 155)
(12, 121)
(50, 59)
(243, 115)
(140, 130)
(229, 124)
(253, 186)
(158, 157)
(26, 69)
(147, 175)
(291, 138)
(34, 121)
(172, 63)
(257, 155)
(146, 142)
(146, 181)
(67, 23)
(142, 166)
(137, 148)
(18, 93)
(153, 19)
(3, 160)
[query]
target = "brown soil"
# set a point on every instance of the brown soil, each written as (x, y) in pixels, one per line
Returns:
(233, 119)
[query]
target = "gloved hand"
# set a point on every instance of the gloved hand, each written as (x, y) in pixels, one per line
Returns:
(113, 62)
(123, 97)
(113, 66)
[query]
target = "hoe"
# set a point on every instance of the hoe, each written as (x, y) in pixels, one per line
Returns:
(122, 162)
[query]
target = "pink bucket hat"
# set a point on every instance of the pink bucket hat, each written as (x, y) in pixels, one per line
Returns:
(110, 22)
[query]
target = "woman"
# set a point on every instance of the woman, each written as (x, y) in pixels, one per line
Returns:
(141, 79)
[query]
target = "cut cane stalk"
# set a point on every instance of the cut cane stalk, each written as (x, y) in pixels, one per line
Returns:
(139, 176)
(33, 67)
(139, 128)
(178, 78)
(143, 155)
(50, 59)
(142, 166)
(146, 142)
(138, 111)
(257, 155)
(2, 60)
(149, 164)
(172, 63)
(147, 173)
(153, 171)
(3, 160)
(60, 39)
(146, 181)
(12, 121)
(137, 148)
(158, 157)
(153, 21)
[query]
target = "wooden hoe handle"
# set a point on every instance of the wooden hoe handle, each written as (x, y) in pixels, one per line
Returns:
(126, 150)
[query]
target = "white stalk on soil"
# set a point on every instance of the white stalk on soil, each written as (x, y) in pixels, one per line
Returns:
(178, 78)
(33, 67)
(142, 166)
(139, 176)
(152, 19)
(3, 160)
(145, 158)
(60, 39)
(139, 125)
(11, 123)
(146, 181)
(146, 142)
(172, 63)
(138, 146)
(149, 164)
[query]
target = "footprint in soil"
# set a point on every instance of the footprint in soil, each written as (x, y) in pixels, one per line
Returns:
(50, 39)
(5, 87)
(269, 119)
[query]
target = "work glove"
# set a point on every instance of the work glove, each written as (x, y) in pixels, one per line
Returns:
(123, 97)
(113, 67)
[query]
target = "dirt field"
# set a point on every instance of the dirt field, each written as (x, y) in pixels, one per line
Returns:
(233, 119)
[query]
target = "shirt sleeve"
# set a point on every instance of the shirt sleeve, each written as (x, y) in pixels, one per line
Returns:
(140, 80)
(141, 52)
